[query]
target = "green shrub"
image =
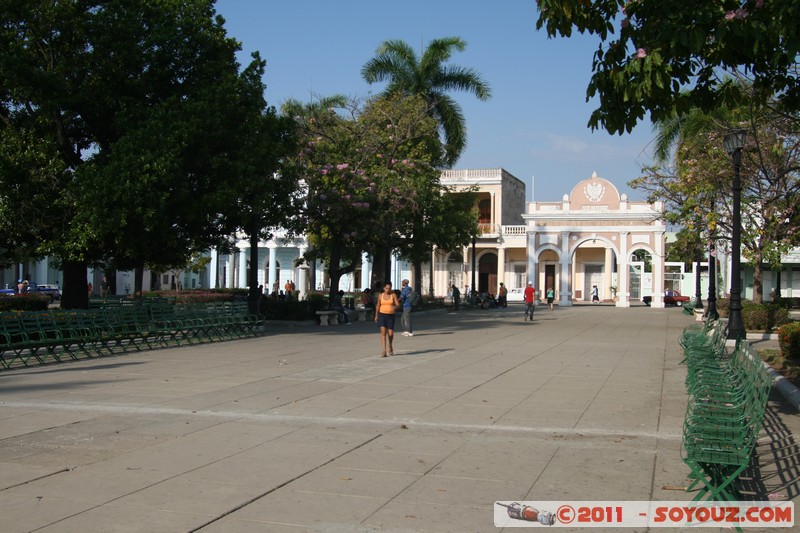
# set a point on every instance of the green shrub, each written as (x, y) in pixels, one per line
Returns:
(789, 339)
(755, 317)
(28, 302)
(198, 296)
(764, 317)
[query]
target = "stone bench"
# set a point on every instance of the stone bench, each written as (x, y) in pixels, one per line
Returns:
(365, 313)
(327, 318)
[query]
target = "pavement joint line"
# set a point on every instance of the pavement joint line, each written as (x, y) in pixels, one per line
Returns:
(280, 486)
(59, 471)
(275, 417)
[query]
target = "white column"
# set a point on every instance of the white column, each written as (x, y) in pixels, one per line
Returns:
(623, 290)
(565, 260)
(302, 275)
(243, 267)
(273, 266)
(531, 267)
(491, 217)
(658, 271)
(501, 265)
(213, 267)
(366, 270)
(230, 272)
(607, 272)
(41, 271)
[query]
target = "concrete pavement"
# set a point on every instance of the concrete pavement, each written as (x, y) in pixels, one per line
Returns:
(308, 429)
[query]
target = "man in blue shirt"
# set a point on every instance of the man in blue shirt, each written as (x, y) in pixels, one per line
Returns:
(405, 298)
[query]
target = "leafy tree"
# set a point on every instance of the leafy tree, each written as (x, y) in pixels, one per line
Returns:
(142, 103)
(696, 189)
(661, 57)
(371, 178)
(427, 76)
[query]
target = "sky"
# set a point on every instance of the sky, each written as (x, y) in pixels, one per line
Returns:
(535, 123)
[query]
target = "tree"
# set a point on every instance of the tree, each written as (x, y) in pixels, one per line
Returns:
(665, 57)
(427, 76)
(142, 103)
(371, 179)
(696, 189)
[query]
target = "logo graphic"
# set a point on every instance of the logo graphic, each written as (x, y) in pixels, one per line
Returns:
(594, 191)
(529, 514)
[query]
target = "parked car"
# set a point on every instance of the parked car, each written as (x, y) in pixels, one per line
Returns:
(672, 297)
(45, 288)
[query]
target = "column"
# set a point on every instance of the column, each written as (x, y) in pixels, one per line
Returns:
(491, 219)
(230, 278)
(531, 267)
(366, 270)
(501, 265)
(565, 260)
(607, 272)
(41, 271)
(243, 267)
(623, 291)
(658, 271)
(213, 273)
(302, 275)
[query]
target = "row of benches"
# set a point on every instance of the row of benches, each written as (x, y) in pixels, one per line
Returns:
(727, 402)
(39, 337)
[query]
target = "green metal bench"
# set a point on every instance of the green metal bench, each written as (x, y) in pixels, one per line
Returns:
(726, 408)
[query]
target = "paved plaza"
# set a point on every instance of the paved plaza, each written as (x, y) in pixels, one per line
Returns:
(308, 429)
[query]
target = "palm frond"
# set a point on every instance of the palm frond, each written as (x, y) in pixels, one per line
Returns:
(462, 79)
(451, 117)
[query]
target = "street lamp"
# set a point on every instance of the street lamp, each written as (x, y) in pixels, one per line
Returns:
(734, 141)
(698, 297)
(472, 287)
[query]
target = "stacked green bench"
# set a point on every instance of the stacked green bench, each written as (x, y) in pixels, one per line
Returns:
(727, 402)
(38, 337)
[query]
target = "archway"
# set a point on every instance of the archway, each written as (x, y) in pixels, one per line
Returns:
(594, 269)
(487, 273)
(640, 274)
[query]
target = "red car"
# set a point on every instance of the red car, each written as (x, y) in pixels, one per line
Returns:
(674, 298)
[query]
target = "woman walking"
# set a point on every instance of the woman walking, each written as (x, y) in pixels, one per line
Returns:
(386, 306)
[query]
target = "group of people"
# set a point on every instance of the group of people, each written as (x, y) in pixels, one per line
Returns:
(287, 293)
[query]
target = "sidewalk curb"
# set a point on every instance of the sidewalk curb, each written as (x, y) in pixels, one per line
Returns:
(784, 386)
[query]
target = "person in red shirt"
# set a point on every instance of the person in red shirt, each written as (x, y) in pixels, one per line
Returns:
(529, 296)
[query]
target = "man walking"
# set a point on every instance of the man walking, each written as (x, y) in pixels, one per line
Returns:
(529, 296)
(405, 299)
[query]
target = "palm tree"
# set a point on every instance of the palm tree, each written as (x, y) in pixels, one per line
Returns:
(427, 76)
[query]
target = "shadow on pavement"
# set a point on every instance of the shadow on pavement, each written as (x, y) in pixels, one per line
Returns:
(775, 466)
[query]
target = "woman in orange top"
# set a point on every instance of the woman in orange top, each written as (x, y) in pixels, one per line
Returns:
(385, 308)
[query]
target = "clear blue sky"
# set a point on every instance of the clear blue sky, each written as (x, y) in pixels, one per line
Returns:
(535, 122)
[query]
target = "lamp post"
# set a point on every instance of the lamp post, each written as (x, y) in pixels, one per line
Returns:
(698, 297)
(734, 141)
(472, 287)
(711, 311)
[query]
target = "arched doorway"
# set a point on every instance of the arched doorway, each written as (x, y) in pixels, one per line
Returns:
(640, 274)
(487, 273)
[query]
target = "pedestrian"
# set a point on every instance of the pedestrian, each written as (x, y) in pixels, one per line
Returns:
(366, 299)
(385, 308)
(456, 298)
(595, 294)
(405, 299)
(287, 288)
(502, 296)
(90, 289)
(530, 297)
(551, 295)
(104, 287)
(338, 306)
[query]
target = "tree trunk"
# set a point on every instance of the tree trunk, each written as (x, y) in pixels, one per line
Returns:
(74, 294)
(334, 272)
(253, 296)
(111, 275)
(418, 277)
(377, 279)
(138, 274)
(758, 282)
